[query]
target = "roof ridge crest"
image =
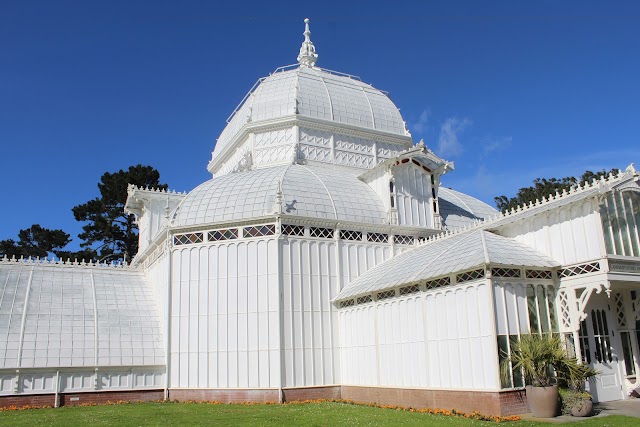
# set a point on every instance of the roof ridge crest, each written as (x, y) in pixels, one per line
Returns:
(68, 263)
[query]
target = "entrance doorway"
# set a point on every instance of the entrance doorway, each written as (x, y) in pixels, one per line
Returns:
(596, 341)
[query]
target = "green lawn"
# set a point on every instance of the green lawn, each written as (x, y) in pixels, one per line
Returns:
(311, 414)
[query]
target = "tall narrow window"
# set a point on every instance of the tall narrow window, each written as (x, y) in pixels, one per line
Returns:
(533, 309)
(627, 352)
(584, 343)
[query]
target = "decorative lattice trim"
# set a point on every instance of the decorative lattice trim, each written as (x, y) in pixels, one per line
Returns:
(577, 270)
(386, 294)
(323, 233)
(378, 237)
(622, 321)
(364, 299)
(347, 303)
(293, 230)
(438, 283)
(470, 275)
(188, 239)
(411, 289)
(259, 230)
(350, 235)
(538, 274)
(400, 239)
(217, 235)
(505, 272)
(565, 312)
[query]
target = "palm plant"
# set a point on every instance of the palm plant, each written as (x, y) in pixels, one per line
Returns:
(544, 361)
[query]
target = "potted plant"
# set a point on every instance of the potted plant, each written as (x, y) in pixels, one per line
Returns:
(543, 360)
(575, 400)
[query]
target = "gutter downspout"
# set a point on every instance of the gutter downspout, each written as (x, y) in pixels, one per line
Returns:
(167, 352)
(279, 255)
(56, 399)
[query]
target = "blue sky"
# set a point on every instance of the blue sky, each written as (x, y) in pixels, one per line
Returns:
(508, 90)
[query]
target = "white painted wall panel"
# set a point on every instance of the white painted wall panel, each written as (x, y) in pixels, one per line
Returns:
(570, 235)
(413, 196)
(438, 339)
(225, 315)
(310, 281)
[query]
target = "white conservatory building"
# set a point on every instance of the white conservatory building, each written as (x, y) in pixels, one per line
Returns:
(324, 259)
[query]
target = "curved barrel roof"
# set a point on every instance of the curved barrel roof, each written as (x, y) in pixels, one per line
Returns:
(458, 209)
(74, 316)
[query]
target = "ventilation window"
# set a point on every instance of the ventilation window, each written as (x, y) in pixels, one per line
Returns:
(580, 269)
(426, 169)
(363, 300)
(403, 240)
(217, 235)
(260, 230)
(350, 235)
(378, 237)
(386, 294)
(293, 230)
(538, 274)
(467, 276)
(438, 283)
(320, 232)
(505, 272)
(347, 303)
(412, 289)
(188, 239)
(393, 201)
(416, 163)
(391, 186)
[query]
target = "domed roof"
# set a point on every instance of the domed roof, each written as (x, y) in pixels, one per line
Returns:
(314, 191)
(458, 209)
(316, 93)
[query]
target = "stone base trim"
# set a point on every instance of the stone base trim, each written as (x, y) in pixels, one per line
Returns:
(225, 395)
(71, 399)
(293, 394)
(501, 403)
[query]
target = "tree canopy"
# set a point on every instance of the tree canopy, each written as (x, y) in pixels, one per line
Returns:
(543, 187)
(35, 241)
(109, 231)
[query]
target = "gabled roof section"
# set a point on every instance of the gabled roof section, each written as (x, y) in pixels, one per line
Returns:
(136, 197)
(420, 153)
(446, 256)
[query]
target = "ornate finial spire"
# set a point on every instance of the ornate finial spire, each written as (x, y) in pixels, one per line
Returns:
(308, 55)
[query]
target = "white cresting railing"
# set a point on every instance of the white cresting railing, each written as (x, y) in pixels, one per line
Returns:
(68, 263)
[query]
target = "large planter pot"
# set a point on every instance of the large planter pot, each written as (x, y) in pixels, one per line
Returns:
(582, 408)
(543, 401)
